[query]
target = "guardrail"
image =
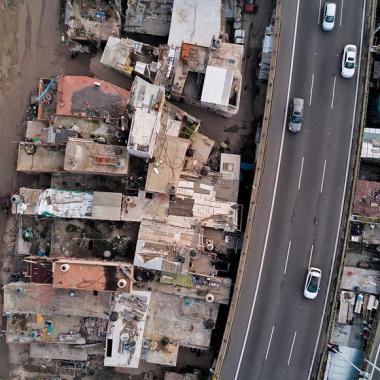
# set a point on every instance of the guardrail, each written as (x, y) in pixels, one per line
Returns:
(255, 191)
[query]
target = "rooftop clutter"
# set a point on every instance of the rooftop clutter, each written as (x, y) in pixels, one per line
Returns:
(141, 213)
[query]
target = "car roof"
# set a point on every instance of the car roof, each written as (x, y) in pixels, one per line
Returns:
(350, 48)
(330, 8)
(315, 271)
(298, 101)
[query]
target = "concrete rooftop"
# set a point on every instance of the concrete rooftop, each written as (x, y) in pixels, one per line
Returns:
(45, 299)
(195, 21)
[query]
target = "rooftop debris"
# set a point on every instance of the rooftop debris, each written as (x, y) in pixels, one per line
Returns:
(131, 57)
(92, 21)
(149, 17)
(141, 212)
(190, 72)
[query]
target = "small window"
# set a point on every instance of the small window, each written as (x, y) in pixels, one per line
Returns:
(148, 195)
(109, 348)
(95, 292)
(228, 167)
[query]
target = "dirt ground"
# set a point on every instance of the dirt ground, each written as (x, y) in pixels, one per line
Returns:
(31, 48)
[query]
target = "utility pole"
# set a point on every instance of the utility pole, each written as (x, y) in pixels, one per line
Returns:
(363, 374)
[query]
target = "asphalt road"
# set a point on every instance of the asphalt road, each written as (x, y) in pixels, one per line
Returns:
(276, 330)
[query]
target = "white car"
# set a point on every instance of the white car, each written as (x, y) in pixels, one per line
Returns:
(328, 18)
(313, 280)
(349, 61)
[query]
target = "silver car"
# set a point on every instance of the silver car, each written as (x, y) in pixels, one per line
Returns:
(296, 115)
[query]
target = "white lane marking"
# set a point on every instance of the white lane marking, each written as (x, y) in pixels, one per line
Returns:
(274, 195)
(300, 177)
(291, 349)
(311, 254)
(344, 192)
(319, 12)
(376, 357)
(341, 14)
(287, 257)
(270, 340)
(311, 89)
(333, 93)
(323, 176)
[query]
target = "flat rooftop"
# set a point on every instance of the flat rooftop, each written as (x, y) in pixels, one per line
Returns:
(26, 202)
(228, 188)
(149, 17)
(69, 204)
(32, 298)
(53, 351)
(86, 96)
(367, 199)
(93, 239)
(60, 128)
(195, 21)
(217, 85)
(204, 207)
(165, 172)
(37, 158)
(128, 56)
(33, 235)
(159, 244)
(186, 316)
(92, 20)
(39, 269)
(28, 328)
(125, 335)
(367, 280)
(147, 100)
(87, 156)
(224, 72)
(196, 287)
(147, 205)
(371, 143)
(92, 275)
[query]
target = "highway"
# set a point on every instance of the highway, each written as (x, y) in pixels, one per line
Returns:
(276, 331)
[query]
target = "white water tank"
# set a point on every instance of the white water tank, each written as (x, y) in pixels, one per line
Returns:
(65, 267)
(122, 283)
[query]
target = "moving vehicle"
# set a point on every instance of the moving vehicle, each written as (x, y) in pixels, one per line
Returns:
(313, 280)
(296, 115)
(349, 61)
(328, 18)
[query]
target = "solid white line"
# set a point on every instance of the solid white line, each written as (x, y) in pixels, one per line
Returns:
(333, 93)
(319, 12)
(323, 176)
(311, 89)
(311, 254)
(344, 192)
(299, 180)
(274, 195)
(341, 13)
(291, 349)
(270, 340)
(287, 256)
(373, 368)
